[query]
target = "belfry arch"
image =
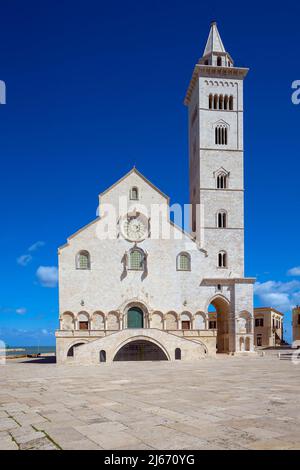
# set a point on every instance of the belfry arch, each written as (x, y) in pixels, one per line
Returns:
(220, 312)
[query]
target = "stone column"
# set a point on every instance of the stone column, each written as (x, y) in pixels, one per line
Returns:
(179, 327)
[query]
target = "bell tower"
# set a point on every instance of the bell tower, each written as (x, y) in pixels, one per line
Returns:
(216, 152)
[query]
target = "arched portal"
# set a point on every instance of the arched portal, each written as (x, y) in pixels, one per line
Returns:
(140, 350)
(218, 314)
(135, 318)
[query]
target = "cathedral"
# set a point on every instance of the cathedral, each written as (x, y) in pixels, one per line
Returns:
(133, 285)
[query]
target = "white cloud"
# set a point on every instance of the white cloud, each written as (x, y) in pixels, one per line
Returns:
(294, 271)
(23, 260)
(47, 276)
(280, 295)
(36, 245)
(21, 311)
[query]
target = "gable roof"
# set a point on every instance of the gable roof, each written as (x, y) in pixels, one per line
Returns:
(138, 173)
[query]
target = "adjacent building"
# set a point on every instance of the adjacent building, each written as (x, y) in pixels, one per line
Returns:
(268, 327)
(141, 295)
(296, 325)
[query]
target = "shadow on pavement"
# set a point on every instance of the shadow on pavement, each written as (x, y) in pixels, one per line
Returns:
(40, 360)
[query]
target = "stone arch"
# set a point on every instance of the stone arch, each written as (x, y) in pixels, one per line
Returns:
(67, 321)
(98, 321)
(157, 320)
(83, 320)
(73, 345)
(248, 344)
(112, 321)
(200, 321)
(141, 338)
(242, 344)
(222, 307)
(171, 321)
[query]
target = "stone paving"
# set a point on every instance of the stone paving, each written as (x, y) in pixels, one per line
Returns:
(222, 403)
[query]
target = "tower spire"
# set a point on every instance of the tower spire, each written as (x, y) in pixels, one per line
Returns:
(215, 53)
(214, 42)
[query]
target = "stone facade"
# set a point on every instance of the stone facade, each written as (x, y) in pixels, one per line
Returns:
(296, 326)
(132, 275)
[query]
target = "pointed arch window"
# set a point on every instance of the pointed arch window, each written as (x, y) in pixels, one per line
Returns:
(222, 219)
(231, 103)
(134, 193)
(136, 259)
(219, 61)
(183, 262)
(210, 101)
(222, 259)
(83, 260)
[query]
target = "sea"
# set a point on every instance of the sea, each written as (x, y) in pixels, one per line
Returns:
(29, 350)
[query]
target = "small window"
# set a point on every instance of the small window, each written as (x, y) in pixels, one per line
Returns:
(177, 354)
(231, 103)
(102, 356)
(183, 262)
(210, 101)
(219, 61)
(136, 260)
(259, 322)
(212, 324)
(134, 194)
(83, 260)
(222, 259)
(185, 325)
(222, 219)
(83, 325)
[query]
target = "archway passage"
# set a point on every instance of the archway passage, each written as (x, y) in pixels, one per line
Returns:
(135, 318)
(140, 350)
(218, 314)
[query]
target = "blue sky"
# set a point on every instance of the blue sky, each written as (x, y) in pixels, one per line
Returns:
(95, 87)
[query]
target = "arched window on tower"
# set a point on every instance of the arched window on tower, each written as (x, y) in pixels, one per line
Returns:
(231, 103)
(83, 260)
(221, 102)
(226, 102)
(222, 219)
(222, 259)
(210, 101)
(221, 134)
(222, 181)
(219, 61)
(216, 102)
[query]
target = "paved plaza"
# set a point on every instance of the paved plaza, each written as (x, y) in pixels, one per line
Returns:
(222, 403)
